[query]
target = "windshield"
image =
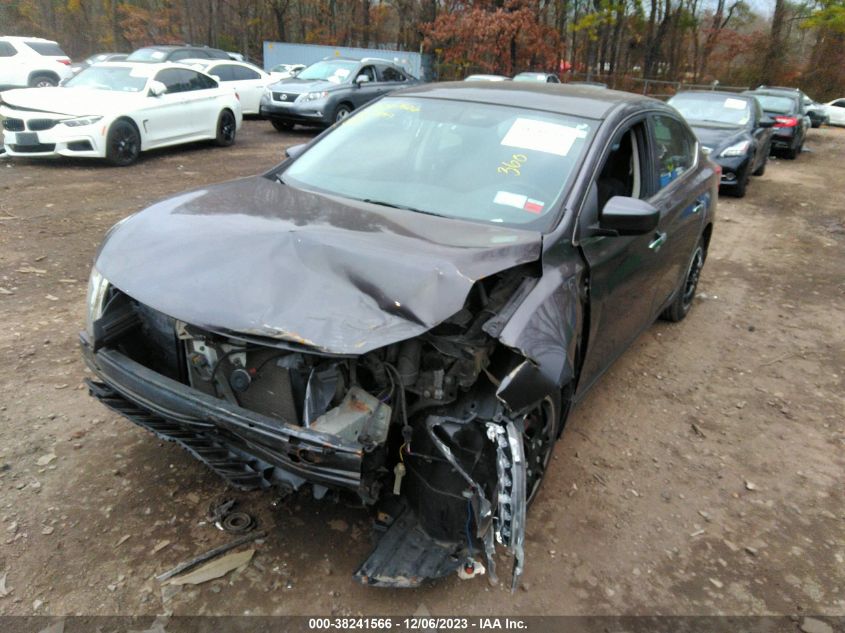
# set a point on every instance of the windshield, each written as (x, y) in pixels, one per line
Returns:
(147, 55)
(481, 162)
(530, 77)
(333, 71)
(778, 105)
(118, 78)
(710, 109)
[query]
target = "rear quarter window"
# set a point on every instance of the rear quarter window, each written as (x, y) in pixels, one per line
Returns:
(48, 49)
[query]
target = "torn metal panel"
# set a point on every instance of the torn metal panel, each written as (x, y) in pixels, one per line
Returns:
(544, 329)
(329, 274)
(405, 556)
(511, 493)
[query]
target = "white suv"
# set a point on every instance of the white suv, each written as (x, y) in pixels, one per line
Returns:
(31, 62)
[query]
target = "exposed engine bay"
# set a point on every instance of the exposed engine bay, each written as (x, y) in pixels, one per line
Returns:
(414, 429)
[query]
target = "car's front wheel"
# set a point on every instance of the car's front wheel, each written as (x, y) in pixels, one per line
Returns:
(282, 126)
(541, 427)
(227, 128)
(123, 144)
(342, 111)
(680, 306)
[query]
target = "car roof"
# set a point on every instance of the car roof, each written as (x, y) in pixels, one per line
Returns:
(773, 92)
(148, 68)
(19, 38)
(716, 93)
(579, 101)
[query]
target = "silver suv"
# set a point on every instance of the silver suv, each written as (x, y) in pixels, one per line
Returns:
(330, 90)
(32, 62)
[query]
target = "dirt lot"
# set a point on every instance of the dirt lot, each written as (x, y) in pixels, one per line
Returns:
(703, 475)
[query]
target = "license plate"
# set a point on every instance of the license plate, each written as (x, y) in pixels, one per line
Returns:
(26, 138)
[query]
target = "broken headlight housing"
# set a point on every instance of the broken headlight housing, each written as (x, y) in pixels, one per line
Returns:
(97, 288)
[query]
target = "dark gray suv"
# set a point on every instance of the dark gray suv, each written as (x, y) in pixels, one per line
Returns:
(329, 90)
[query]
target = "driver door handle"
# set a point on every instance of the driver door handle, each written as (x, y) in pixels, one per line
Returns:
(699, 207)
(658, 241)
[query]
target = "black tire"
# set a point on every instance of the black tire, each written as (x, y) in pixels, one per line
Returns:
(762, 168)
(341, 112)
(282, 126)
(741, 187)
(792, 152)
(43, 81)
(681, 305)
(227, 129)
(123, 143)
(542, 426)
(816, 124)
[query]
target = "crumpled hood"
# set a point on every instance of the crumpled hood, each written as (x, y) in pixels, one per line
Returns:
(71, 101)
(258, 257)
(717, 138)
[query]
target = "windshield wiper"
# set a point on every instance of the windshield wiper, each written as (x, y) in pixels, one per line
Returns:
(382, 203)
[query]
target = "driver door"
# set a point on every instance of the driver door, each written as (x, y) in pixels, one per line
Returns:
(366, 91)
(164, 117)
(621, 268)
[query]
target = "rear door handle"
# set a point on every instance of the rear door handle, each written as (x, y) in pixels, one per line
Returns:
(699, 207)
(658, 241)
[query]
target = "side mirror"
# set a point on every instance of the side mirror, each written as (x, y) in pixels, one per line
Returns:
(767, 121)
(628, 216)
(157, 88)
(362, 79)
(295, 72)
(216, 78)
(295, 150)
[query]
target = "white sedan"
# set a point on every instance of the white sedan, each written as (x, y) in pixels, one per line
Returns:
(836, 111)
(248, 81)
(117, 110)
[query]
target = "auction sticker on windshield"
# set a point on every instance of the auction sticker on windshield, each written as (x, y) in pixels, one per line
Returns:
(735, 104)
(542, 136)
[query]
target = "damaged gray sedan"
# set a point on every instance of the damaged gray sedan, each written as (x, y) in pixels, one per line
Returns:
(407, 308)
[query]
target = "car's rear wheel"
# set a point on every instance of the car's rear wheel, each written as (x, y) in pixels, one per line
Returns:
(282, 126)
(227, 128)
(685, 295)
(123, 144)
(43, 81)
(342, 111)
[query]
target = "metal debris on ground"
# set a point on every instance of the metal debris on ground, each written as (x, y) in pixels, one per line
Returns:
(214, 569)
(221, 514)
(212, 553)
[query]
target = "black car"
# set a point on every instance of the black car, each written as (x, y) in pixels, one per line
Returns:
(78, 67)
(157, 54)
(791, 121)
(330, 90)
(406, 309)
(816, 111)
(733, 130)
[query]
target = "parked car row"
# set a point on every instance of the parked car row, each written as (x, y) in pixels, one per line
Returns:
(739, 131)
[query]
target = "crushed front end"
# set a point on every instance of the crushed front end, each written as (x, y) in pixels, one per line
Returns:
(414, 429)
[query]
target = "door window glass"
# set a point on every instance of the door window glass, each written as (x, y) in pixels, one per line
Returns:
(367, 71)
(7, 50)
(388, 73)
(675, 149)
(242, 73)
(224, 71)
